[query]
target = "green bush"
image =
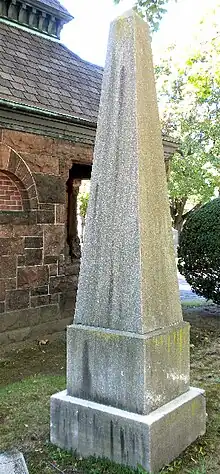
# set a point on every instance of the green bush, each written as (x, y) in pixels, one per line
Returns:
(199, 251)
(84, 200)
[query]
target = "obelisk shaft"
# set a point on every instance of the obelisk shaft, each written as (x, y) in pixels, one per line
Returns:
(128, 276)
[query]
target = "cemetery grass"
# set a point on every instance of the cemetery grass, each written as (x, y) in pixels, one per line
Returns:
(29, 377)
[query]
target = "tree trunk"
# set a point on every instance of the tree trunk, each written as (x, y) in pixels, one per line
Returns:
(177, 213)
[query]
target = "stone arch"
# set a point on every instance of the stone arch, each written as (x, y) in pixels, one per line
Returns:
(13, 165)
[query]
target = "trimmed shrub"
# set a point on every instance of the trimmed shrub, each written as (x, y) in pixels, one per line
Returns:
(199, 251)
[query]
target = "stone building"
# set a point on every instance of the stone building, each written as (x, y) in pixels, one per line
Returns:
(49, 101)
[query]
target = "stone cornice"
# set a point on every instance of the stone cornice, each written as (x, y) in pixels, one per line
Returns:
(56, 126)
(48, 125)
(35, 15)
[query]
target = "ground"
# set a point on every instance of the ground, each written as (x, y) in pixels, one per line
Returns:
(29, 377)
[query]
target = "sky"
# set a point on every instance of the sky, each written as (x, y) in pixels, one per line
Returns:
(87, 34)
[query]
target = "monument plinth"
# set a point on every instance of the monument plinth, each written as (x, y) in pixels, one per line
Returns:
(128, 396)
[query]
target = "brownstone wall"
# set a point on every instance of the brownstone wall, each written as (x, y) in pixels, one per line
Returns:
(38, 282)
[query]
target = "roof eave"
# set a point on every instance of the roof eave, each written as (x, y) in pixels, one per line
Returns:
(47, 113)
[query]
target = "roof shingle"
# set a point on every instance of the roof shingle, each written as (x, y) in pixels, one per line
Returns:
(39, 72)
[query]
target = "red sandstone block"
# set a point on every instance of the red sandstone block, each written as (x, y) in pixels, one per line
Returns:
(4, 156)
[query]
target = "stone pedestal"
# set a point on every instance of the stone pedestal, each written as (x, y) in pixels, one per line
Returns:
(128, 438)
(128, 396)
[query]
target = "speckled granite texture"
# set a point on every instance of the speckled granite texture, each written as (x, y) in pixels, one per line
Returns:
(12, 463)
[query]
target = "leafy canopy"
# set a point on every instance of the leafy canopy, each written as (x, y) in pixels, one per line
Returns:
(189, 98)
(152, 9)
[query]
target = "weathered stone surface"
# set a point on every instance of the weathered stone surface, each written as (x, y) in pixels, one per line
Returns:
(41, 290)
(21, 260)
(11, 246)
(55, 298)
(27, 178)
(33, 242)
(46, 217)
(50, 259)
(42, 162)
(13, 161)
(6, 230)
(4, 156)
(62, 283)
(40, 301)
(54, 239)
(12, 463)
(8, 267)
(69, 268)
(137, 373)
(128, 438)
(10, 283)
(67, 303)
(32, 277)
(53, 269)
(17, 299)
(28, 142)
(23, 173)
(45, 183)
(2, 290)
(2, 307)
(19, 319)
(61, 214)
(32, 192)
(33, 256)
(46, 206)
(27, 230)
(18, 217)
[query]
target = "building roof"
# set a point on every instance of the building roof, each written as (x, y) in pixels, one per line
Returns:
(39, 72)
(55, 4)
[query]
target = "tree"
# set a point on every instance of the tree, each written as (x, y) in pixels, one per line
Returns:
(152, 9)
(189, 97)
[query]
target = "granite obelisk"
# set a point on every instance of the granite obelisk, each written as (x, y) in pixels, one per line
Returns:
(128, 396)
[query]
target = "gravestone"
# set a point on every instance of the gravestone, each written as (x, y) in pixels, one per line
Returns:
(128, 396)
(12, 463)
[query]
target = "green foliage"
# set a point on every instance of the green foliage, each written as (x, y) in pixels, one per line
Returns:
(189, 97)
(84, 200)
(199, 251)
(152, 9)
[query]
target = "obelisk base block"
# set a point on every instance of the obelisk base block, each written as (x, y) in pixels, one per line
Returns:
(151, 441)
(133, 372)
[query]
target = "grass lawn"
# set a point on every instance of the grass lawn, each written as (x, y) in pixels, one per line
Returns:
(29, 377)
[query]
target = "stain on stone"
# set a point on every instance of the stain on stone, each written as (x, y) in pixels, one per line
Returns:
(110, 293)
(111, 440)
(122, 441)
(133, 446)
(86, 376)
